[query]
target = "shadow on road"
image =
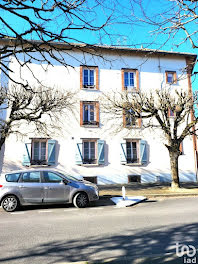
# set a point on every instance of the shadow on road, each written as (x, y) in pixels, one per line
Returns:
(131, 244)
(103, 201)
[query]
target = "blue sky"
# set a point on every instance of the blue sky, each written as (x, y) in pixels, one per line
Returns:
(123, 28)
(128, 30)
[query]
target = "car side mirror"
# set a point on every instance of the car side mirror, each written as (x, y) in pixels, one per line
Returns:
(64, 182)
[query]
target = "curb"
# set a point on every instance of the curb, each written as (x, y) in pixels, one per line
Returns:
(103, 197)
(172, 195)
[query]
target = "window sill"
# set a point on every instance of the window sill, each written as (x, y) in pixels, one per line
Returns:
(39, 165)
(90, 126)
(134, 90)
(172, 83)
(90, 89)
(90, 165)
(132, 164)
(129, 127)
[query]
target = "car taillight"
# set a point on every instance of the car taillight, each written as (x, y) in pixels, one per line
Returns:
(1, 185)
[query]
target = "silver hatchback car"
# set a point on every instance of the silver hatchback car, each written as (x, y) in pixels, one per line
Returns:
(44, 186)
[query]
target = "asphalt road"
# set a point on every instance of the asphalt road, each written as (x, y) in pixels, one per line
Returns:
(59, 234)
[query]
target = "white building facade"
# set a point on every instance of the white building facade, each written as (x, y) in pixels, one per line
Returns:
(91, 145)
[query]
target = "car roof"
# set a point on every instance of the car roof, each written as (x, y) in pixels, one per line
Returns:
(30, 170)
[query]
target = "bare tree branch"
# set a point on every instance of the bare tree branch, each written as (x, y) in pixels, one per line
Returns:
(171, 19)
(38, 107)
(155, 109)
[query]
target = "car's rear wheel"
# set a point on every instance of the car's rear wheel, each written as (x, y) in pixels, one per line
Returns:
(81, 200)
(10, 203)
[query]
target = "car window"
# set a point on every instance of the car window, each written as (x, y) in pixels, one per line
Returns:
(51, 177)
(68, 177)
(33, 176)
(13, 177)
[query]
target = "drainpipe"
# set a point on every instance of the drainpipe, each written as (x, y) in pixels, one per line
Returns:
(194, 136)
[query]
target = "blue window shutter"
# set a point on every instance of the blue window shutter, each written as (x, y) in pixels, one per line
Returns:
(101, 158)
(27, 155)
(51, 152)
(123, 155)
(143, 152)
(79, 156)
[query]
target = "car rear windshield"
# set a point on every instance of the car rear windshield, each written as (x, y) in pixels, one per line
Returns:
(13, 177)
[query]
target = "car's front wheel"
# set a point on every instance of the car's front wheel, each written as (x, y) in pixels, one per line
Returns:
(10, 203)
(81, 200)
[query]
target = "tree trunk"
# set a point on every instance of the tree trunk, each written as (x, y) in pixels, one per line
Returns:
(174, 170)
(4, 134)
(2, 141)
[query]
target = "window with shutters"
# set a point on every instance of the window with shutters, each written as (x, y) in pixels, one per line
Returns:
(132, 151)
(89, 114)
(39, 151)
(89, 151)
(89, 77)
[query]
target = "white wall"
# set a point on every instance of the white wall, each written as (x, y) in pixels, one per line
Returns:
(152, 76)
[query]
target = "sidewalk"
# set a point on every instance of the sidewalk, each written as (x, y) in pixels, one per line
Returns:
(150, 190)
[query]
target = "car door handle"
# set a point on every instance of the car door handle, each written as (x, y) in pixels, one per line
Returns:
(47, 188)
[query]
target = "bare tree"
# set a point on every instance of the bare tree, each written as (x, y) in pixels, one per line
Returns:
(170, 112)
(172, 19)
(29, 28)
(43, 32)
(51, 28)
(36, 107)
